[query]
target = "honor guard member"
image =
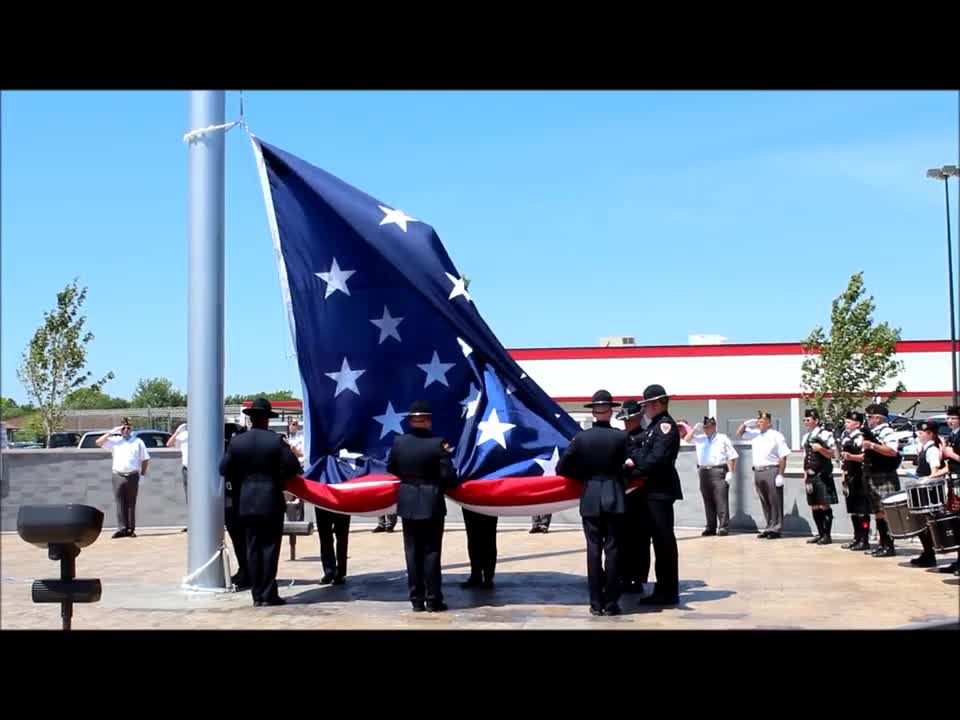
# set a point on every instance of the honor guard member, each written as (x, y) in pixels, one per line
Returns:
(951, 451)
(818, 449)
(595, 458)
(716, 465)
(231, 518)
(635, 547)
(656, 461)
(481, 548)
(855, 489)
(881, 458)
(421, 461)
(260, 463)
(930, 463)
(770, 453)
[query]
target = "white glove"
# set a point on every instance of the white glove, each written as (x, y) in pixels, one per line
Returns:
(698, 428)
(779, 480)
(728, 477)
(750, 424)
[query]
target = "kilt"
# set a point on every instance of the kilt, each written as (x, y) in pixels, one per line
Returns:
(882, 485)
(821, 489)
(857, 494)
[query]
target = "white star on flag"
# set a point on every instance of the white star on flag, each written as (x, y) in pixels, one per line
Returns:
(459, 287)
(397, 217)
(387, 325)
(346, 378)
(390, 421)
(470, 402)
(549, 466)
(466, 348)
(436, 371)
(493, 429)
(336, 279)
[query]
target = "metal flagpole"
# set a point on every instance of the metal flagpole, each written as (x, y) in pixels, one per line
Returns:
(205, 211)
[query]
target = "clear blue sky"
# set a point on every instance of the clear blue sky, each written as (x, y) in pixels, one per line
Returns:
(655, 214)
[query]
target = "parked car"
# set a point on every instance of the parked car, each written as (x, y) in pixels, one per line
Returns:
(67, 439)
(151, 438)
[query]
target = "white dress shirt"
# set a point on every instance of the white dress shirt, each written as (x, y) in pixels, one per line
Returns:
(181, 443)
(296, 441)
(768, 447)
(715, 449)
(933, 454)
(128, 453)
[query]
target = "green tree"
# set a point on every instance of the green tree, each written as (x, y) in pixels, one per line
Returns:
(53, 365)
(10, 409)
(94, 399)
(275, 395)
(849, 368)
(157, 393)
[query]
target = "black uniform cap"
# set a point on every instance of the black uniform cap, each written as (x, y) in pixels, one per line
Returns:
(654, 392)
(954, 410)
(709, 420)
(420, 408)
(811, 413)
(602, 397)
(855, 415)
(631, 408)
(929, 426)
(763, 415)
(260, 406)
(877, 409)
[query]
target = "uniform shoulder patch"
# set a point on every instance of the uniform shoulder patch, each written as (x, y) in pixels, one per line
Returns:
(665, 428)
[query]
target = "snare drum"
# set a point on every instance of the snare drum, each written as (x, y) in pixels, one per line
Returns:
(926, 495)
(945, 532)
(903, 523)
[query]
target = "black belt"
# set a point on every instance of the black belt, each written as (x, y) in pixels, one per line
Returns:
(764, 467)
(128, 474)
(711, 467)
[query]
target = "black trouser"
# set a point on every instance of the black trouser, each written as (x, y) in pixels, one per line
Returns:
(660, 517)
(332, 525)
(481, 544)
(603, 543)
(635, 548)
(125, 488)
(716, 496)
(238, 535)
(264, 536)
(422, 543)
(186, 496)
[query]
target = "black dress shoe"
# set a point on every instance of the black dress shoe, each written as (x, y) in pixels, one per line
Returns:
(471, 582)
(379, 528)
(825, 540)
(773, 535)
(924, 560)
(241, 582)
(659, 600)
(763, 535)
(951, 568)
(535, 529)
(596, 611)
(722, 532)
(339, 579)
(271, 603)
(884, 551)
(815, 540)
(390, 529)
(612, 610)
(184, 530)
(708, 533)
(130, 533)
(419, 607)
(326, 579)
(438, 606)
(119, 534)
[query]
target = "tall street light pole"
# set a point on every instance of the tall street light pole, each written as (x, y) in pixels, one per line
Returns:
(944, 173)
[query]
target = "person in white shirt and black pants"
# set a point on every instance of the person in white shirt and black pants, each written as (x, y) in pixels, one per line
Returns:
(818, 448)
(179, 441)
(130, 459)
(770, 453)
(930, 463)
(716, 465)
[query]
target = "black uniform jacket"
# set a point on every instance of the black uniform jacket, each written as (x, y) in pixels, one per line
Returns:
(595, 458)
(422, 462)
(655, 458)
(257, 465)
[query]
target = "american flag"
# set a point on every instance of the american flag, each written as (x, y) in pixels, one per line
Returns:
(381, 316)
